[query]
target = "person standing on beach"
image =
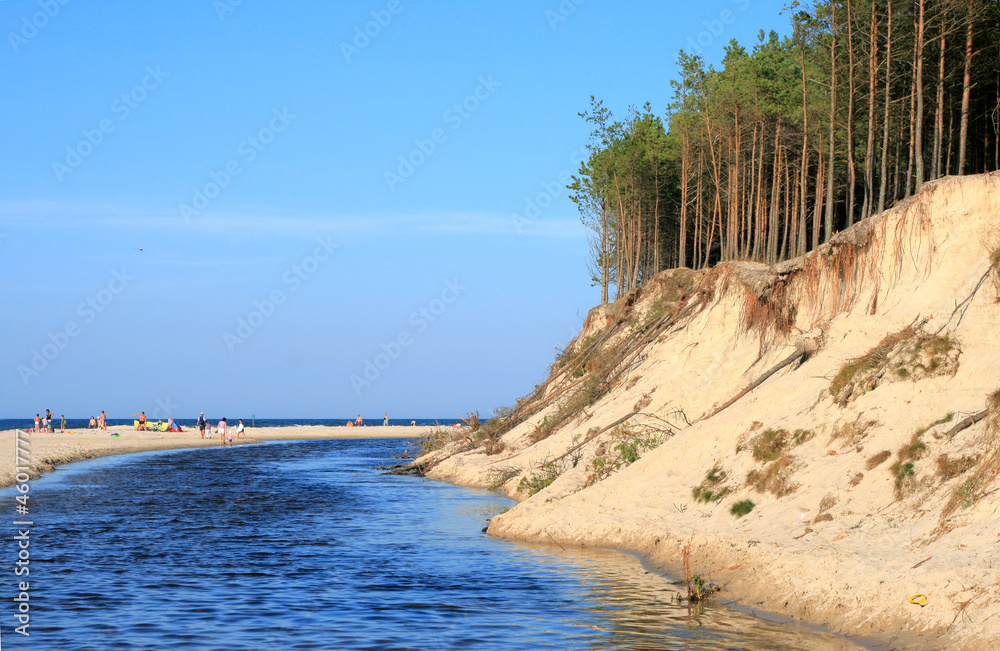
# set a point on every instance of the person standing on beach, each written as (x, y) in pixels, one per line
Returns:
(48, 421)
(358, 421)
(102, 422)
(62, 424)
(201, 424)
(239, 430)
(141, 427)
(222, 432)
(385, 420)
(38, 423)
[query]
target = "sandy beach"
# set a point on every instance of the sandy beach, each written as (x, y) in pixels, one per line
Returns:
(48, 450)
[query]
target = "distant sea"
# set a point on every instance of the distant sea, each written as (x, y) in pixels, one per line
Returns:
(81, 423)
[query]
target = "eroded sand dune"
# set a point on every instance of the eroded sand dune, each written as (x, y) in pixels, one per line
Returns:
(864, 495)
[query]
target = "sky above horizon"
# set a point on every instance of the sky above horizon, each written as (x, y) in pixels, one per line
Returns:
(309, 209)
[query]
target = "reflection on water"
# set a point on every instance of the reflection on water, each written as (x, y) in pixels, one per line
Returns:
(304, 545)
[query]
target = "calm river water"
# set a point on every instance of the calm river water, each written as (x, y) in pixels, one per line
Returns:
(306, 545)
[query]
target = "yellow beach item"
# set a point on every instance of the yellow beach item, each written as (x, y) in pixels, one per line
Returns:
(919, 599)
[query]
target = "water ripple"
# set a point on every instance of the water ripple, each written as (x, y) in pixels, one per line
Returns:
(304, 546)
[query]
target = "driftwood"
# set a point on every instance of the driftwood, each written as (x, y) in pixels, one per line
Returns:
(592, 437)
(802, 351)
(539, 404)
(964, 305)
(966, 422)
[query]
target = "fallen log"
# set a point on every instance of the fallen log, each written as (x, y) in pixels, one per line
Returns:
(801, 351)
(966, 422)
(592, 437)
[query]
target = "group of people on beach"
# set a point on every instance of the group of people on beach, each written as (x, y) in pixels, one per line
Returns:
(358, 422)
(223, 429)
(45, 424)
(98, 423)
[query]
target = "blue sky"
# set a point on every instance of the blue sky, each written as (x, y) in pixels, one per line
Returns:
(308, 209)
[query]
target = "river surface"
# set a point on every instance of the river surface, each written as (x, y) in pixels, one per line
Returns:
(307, 545)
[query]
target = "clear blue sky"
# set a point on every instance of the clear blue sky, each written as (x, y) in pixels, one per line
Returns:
(360, 162)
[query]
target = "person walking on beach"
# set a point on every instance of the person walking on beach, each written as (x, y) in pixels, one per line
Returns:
(141, 427)
(201, 424)
(239, 430)
(222, 432)
(385, 420)
(358, 421)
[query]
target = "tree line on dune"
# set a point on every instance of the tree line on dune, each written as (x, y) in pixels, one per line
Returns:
(767, 157)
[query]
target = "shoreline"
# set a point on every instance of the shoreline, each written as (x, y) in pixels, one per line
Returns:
(744, 573)
(44, 451)
(48, 451)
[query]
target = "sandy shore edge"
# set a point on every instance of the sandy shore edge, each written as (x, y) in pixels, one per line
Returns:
(40, 453)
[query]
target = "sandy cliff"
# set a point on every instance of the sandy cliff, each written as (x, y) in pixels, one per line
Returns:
(866, 488)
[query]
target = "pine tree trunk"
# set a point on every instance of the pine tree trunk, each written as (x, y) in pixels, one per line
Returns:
(800, 239)
(772, 237)
(918, 126)
(791, 226)
(851, 167)
(833, 120)
(883, 167)
(804, 172)
(913, 116)
(818, 212)
(685, 179)
(870, 140)
(963, 128)
(939, 114)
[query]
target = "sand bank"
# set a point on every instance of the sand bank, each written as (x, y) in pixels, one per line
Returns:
(44, 451)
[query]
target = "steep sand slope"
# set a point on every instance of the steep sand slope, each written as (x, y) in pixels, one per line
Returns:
(928, 264)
